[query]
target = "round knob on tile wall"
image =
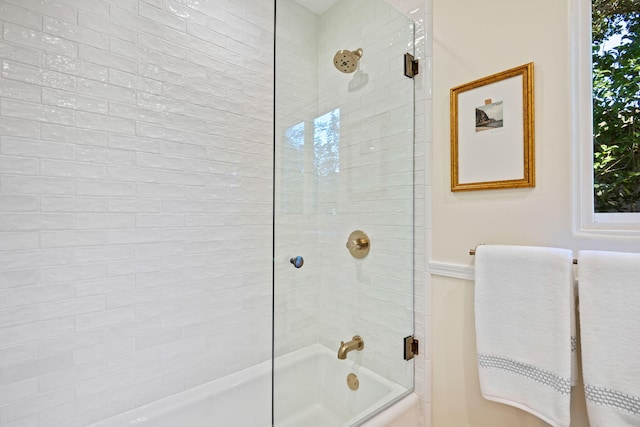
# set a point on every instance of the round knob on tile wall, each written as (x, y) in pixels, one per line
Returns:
(358, 244)
(297, 261)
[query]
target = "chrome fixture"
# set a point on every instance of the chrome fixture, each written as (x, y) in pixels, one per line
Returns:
(297, 261)
(358, 244)
(357, 343)
(346, 61)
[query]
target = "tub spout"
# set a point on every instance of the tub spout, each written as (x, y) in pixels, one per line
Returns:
(357, 343)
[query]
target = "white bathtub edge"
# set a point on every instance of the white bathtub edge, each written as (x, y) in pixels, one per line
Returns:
(153, 413)
(404, 413)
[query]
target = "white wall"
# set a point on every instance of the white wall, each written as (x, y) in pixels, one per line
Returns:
(486, 38)
(135, 201)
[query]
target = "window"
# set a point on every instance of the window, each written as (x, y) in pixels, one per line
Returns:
(616, 105)
(608, 112)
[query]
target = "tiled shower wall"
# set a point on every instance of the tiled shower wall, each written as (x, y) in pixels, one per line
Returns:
(334, 296)
(135, 201)
(296, 219)
(373, 191)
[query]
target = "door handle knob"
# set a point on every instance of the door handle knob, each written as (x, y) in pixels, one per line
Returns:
(297, 261)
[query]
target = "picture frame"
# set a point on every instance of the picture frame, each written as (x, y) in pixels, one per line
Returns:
(492, 131)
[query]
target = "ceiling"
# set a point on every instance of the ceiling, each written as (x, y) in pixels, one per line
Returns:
(317, 6)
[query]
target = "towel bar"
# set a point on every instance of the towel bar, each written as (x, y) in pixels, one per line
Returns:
(473, 252)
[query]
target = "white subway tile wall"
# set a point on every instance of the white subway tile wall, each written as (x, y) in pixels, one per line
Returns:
(135, 201)
(296, 224)
(374, 189)
(334, 297)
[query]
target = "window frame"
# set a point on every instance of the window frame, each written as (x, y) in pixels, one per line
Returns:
(586, 219)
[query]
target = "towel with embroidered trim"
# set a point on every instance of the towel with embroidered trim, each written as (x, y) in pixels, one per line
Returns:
(525, 328)
(609, 284)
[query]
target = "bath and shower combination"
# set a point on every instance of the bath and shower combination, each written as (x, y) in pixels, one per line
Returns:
(154, 186)
(363, 291)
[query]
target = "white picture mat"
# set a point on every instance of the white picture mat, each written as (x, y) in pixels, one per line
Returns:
(491, 155)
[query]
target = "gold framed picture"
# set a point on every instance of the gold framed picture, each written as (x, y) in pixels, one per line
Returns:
(492, 132)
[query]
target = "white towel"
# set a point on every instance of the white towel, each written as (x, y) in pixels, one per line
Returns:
(525, 328)
(609, 284)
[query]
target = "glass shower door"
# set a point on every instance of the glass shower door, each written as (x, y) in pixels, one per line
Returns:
(344, 135)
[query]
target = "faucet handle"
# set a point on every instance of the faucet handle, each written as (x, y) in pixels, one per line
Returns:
(297, 261)
(358, 244)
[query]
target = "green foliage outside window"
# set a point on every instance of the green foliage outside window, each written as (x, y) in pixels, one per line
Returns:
(616, 105)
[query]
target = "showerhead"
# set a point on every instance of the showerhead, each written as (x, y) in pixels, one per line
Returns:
(346, 61)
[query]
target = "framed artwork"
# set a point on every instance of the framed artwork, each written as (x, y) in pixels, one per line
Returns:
(492, 132)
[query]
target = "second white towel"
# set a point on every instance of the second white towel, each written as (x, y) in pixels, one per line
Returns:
(525, 328)
(610, 336)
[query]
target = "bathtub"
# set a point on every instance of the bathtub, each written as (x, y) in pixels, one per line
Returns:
(316, 395)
